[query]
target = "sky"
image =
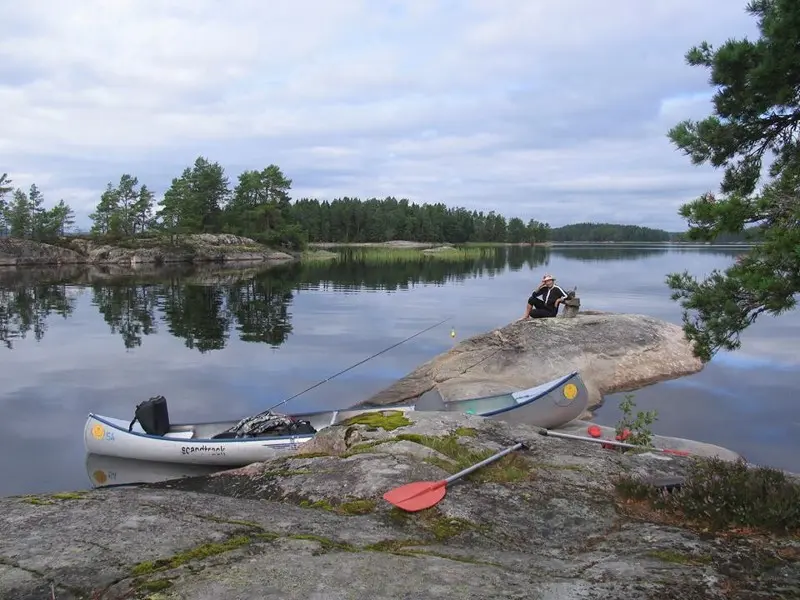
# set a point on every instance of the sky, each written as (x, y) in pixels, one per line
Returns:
(553, 111)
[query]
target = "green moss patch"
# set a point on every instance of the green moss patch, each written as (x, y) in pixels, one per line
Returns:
(511, 467)
(41, 500)
(365, 447)
(310, 455)
(466, 431)
(197, 553)
(723, 495)
(351, 507)
(154, 586)
(68, 495)
(442, 527)
(326, 543)
(388, 420)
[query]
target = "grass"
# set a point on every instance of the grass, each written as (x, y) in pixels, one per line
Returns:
(388, 420)
(721, 495)
(319, 256)
(511, 467)
(378, 255)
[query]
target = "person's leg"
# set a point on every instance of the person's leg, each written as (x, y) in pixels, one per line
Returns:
(538, 303)
(541, 313)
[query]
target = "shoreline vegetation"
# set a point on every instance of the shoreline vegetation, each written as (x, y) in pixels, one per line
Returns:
(203, 217)
(159, 250)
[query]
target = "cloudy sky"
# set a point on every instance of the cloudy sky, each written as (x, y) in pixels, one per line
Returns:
(555, 111)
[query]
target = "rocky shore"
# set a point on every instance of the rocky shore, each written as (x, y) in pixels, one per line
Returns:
(556, 520)
(614, 352)
(197, 248)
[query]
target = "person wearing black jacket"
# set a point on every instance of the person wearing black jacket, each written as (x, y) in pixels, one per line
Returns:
(546, 306)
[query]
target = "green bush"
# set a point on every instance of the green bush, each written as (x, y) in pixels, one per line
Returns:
(638, 426)
(723, 494)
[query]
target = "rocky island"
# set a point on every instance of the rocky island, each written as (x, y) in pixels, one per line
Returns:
(196, 248)
(560, 519)
(614, 352)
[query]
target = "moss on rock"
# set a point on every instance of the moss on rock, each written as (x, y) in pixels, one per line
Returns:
(387, 419)
(197, 553)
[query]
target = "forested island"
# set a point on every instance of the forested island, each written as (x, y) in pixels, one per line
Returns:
(259, 207)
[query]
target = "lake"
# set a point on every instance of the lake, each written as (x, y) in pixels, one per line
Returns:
(220, 344)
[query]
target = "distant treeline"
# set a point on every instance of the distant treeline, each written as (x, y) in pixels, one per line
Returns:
(607, 232)
(259, 206)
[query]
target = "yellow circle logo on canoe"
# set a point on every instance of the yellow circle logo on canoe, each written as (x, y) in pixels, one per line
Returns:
(98, 432)
(100, 476)
(570, 391)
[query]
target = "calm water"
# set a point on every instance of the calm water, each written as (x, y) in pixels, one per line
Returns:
(221, 344)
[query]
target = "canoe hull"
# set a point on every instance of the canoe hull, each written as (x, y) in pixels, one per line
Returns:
(549, 405)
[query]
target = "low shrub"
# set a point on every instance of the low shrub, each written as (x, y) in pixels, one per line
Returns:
(720, 495)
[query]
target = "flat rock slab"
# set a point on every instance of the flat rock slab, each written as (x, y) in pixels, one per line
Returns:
(613, 353)
(315, 526)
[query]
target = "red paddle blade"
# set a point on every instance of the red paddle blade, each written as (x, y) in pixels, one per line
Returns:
(417, 496)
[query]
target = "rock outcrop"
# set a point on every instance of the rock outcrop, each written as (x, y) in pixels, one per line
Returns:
(613, 353)
(544, 523)
(197, 248)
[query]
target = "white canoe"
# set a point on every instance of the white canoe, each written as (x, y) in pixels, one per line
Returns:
(549, 405)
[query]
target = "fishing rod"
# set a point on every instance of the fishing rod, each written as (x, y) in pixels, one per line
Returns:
(271, 408)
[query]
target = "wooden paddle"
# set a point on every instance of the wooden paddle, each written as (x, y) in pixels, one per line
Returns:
(420, 495)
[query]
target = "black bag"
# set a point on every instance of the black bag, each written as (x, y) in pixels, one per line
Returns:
(153, 416)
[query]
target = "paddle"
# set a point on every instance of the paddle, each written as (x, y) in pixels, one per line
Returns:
(610, 443)
(420, 495)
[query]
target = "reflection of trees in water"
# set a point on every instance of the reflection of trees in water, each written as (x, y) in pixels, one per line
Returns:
(204, 306)
(128, 310)
(196, 314)
(261, 307)
(25, 308)
(396, 275)
(622, 252)
(608, 254)
(201, 315)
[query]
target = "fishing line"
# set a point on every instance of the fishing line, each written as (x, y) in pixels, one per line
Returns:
(355, 365)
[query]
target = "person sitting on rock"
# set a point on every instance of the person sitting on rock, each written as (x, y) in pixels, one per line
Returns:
(548, 307)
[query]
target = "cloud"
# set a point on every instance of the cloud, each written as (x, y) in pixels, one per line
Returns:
(554, 111)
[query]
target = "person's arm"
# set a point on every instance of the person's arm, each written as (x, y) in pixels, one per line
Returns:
(562, 295)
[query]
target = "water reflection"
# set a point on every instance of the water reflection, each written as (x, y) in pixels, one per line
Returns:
(111, 471)
(203, 306)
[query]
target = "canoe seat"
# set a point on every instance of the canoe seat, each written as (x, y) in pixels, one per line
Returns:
(179, 435)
